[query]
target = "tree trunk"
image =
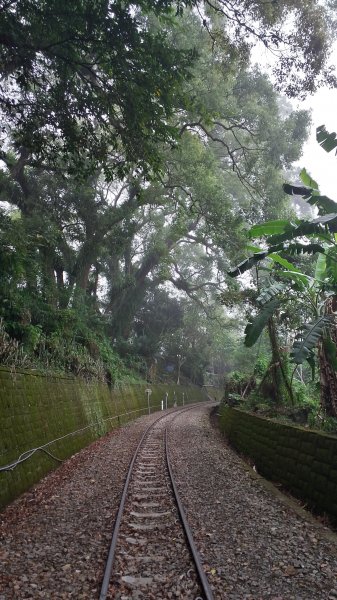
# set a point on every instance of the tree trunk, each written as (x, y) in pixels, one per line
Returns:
(328, 375)
(48, 276)
(281, 385)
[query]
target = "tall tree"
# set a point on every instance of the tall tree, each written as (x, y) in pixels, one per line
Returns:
(93, 84)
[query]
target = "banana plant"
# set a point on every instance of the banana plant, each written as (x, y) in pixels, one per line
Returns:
(283, 239)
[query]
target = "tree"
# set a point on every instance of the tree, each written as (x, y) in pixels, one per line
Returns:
(89, 85)
(94, 84)
(99, 249)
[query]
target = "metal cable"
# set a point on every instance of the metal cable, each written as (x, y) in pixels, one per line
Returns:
(29, 453)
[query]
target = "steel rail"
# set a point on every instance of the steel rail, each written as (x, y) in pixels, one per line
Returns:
(112, 549)
(188, 532)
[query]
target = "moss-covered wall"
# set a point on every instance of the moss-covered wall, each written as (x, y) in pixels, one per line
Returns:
(305, 462)
(36, 409)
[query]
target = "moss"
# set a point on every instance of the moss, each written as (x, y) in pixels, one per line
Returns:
(36, 409)
(303, 461)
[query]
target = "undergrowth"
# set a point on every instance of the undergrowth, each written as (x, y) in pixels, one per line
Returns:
(305, 412)
(91, 359)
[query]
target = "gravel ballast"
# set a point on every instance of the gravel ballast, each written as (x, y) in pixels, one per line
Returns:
(55, 538)
(253, 545)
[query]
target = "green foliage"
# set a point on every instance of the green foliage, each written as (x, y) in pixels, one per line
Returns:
(100, 79)
(256, 324)
(270, 292)
(136, 169)
(268, 228)
(261, 365)
(307, 339)
(330, 350)
(327, 140)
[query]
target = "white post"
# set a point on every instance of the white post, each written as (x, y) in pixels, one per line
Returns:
(166, 396)
(162, 404)
(148, 392)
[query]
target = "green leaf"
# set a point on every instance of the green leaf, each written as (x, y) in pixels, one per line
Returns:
(299, 278)
(307, 229)
(272, 253)
(320, 268)
(257, 324)
(312, 364)
(270, 292)
(327, 140)
(311, 194)
(307, 339)
(252, 248)
(296, 190)
(331, 266)
(307, 180)
(284, 263)
(324, 204)
(247, 264)
(268, 228)
(298, 248)
(329, 221)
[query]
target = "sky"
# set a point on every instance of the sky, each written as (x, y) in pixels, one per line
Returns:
(321, 165)
(323, 105)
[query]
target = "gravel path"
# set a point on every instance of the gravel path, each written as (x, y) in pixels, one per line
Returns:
(253, 545)
(54, 539)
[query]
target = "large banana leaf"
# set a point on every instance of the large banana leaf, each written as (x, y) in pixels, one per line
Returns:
(272, 253)
(283, 262)
(268, 228)
(247, 264)
(324, 204)
(307, 229)
(301, 279)
(297, 190)
(257, 324)
(298, 248)
(307, 339)
(331, 266)
(311, 194)
(307, 180)
(327, 140)
(320, 269)
(270, 292)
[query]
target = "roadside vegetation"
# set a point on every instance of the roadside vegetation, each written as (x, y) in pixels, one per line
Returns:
(139, 145)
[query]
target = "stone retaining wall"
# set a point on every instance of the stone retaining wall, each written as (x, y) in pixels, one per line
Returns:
(303, 461)
(36, 409)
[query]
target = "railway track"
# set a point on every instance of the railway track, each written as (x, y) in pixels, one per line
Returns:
(152, 554)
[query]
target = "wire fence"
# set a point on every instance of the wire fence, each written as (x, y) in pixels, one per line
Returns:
(43, 448)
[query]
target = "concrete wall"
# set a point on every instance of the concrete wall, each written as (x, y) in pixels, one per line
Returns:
(305, 462)
(35, 409)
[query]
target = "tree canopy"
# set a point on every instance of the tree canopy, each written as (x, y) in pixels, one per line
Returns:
(95, 84)
(138, 145)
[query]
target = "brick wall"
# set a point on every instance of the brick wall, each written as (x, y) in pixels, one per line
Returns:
(35, 409)
(305, 462)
